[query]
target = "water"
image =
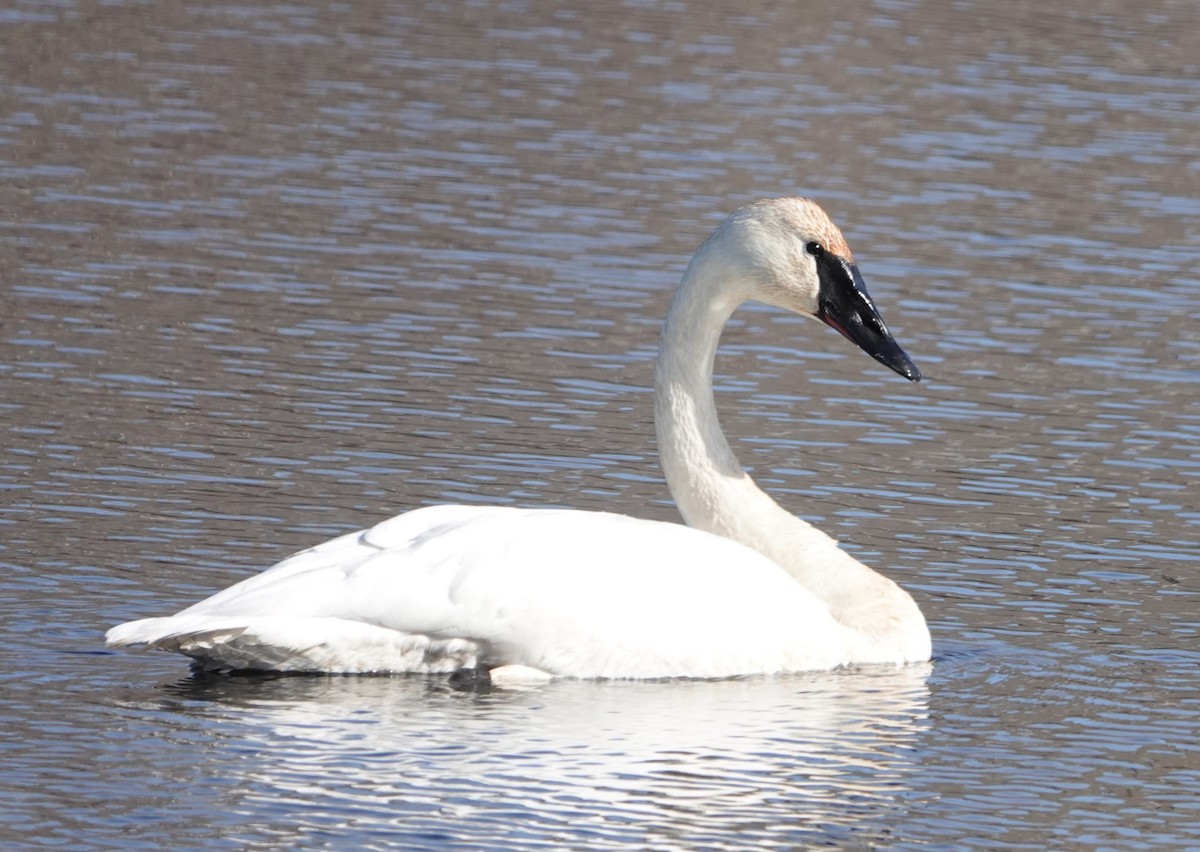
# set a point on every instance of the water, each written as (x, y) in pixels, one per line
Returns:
(271, 273)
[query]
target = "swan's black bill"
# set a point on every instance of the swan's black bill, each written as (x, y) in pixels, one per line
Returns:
(845, 304)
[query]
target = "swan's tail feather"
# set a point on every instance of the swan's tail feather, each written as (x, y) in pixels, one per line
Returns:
(280, 644)
(144, 631)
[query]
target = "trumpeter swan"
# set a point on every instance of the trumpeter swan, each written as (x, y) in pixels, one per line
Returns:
(745, 588)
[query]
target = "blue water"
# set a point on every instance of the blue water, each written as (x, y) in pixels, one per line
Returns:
(274, 273)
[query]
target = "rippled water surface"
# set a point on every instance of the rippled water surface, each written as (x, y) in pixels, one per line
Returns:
(274, 272)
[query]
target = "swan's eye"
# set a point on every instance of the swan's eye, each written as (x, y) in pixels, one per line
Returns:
(815, 249)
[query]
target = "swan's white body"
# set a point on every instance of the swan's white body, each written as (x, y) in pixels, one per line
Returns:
(745, 589)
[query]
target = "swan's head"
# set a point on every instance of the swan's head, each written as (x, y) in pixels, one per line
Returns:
(788, 253)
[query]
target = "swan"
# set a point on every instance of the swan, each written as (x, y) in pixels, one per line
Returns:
(504, 593)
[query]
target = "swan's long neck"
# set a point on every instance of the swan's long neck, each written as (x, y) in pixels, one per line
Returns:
(713, 491)
(710, 487)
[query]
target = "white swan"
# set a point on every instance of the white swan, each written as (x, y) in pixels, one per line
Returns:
(745, 588)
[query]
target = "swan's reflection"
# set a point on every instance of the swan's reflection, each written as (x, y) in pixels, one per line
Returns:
(702, 762)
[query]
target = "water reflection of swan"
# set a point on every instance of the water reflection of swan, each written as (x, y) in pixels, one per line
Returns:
(746, 588)
(791, 762)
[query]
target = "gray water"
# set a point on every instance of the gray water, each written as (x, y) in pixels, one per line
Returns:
(270, 273)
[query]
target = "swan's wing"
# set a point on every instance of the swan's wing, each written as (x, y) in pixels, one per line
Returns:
(572, 593)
